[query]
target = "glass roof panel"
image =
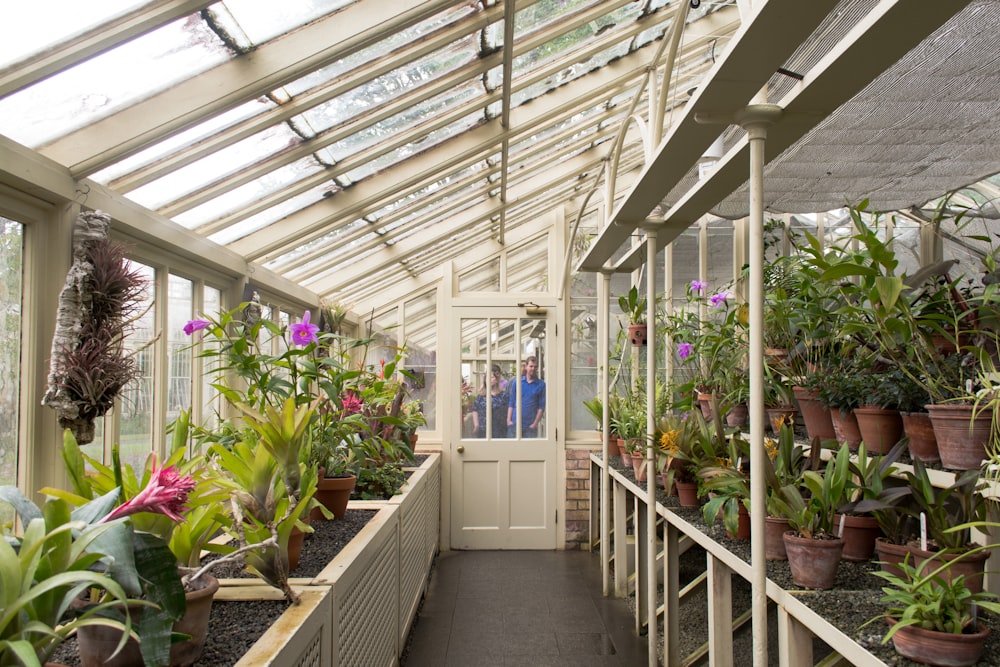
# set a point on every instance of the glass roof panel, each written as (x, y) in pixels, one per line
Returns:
(255, 222)
(263, 21)
(229, 160)
(418, 144)
(244, 195)
(380, 90)
(101, 85)
(184, 140)
(25, 35)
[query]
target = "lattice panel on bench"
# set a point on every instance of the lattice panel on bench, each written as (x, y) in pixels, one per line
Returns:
(368, 613)
(413, 566)
(312, 656)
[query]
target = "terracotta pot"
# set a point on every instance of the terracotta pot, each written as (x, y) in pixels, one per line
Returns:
(295, 540)
(623, 452)
(860, 533)
(742, 523)
(918, 428)
(815, 415)
(890, 555)
(775, 528)
(972, 566)
(845, 424)
(334, 493)
(672, 490)
(940, 648)
(961, 440)
(639, 467)
(780, 415)
(738, 416)
(880, 428)
(687, 492)
(705, 403)
(637, 334)
(97, 642)
(813, 562)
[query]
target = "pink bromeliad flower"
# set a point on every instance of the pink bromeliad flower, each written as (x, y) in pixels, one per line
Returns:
(166, 493)
(352, 404)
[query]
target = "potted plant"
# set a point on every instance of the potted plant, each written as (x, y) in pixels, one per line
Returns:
(869, 476)
(633, 307)
(811, 544)
(43, 573)
(786, 461)
(728, 487)
(933, 619)
(948, 513)
(686, 445)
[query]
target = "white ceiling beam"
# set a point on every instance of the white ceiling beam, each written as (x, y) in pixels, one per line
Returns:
(109, 140)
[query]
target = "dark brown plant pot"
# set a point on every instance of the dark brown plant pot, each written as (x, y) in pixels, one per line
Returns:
(940, 648)
(860, 533)
(775, 528)
(742, 524)
(890, 555)
(334, 493)
(780, 415)
(705, 404)
(738, 416)
(687, 493)
(97, 642)
(845, 424)
(637, 334)
(880, 428)
(813, 562)
(971, 566)
(962, 441)
(918, 428)
(815, 415)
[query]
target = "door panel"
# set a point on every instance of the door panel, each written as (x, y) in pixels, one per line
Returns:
(503, 477)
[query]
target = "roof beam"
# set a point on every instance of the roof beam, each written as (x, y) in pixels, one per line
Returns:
(110, 139)
(886, 34)
(754, 55)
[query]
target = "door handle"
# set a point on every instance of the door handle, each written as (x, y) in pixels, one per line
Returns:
(460, 448)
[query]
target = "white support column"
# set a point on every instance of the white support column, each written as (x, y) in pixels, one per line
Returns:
(650, 450)
(603, 379)
(755, 119)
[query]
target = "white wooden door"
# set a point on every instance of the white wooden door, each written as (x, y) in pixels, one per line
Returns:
(503, 478)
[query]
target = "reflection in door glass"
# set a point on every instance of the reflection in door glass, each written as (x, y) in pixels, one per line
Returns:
(526, 406)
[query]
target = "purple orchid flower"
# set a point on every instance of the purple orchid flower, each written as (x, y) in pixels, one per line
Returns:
(698, 287)
(718, 300)
(196, 325)
(684, 350)
(303, 332)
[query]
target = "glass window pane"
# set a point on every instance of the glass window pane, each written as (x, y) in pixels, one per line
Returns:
(420, 339)
(137, 399)
(482, 278)
(211, 399)
(527, 267)
(11, 276)
(179, 308)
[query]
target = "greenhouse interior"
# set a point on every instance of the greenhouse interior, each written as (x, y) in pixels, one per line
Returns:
(666, 247)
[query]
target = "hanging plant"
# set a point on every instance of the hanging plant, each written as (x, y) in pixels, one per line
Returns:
(99, 302)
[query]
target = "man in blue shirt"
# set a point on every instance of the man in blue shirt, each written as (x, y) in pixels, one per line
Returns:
(532, 402)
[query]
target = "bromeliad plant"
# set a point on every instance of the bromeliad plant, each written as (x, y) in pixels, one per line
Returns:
(41, 574)
(810, 506)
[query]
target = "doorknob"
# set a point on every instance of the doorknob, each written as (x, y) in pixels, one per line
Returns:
(460, 448)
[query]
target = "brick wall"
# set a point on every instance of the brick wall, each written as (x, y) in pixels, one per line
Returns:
(577, 522)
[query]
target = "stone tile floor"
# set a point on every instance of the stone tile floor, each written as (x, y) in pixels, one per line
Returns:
(512, 608)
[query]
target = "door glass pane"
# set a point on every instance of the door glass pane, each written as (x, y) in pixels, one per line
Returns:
(528, 402)
(473, 332)
(11, 255)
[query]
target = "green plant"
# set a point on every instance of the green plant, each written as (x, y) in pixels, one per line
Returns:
(42, 573)
(787, 461)
(633, 306)
(203, 517)
(728, 485)
(870, 475)
(811, 505)
(139, 562)
(596, 409)
(949, 511)
(929, 601)
(380, 482)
